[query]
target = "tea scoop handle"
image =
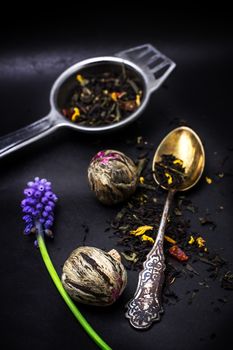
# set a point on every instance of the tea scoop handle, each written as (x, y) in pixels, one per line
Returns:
(28, 134)
(154, 64)
(146, 305)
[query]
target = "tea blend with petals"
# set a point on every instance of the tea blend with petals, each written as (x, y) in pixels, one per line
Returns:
(103, 98)
(169, 171)
(186, 252)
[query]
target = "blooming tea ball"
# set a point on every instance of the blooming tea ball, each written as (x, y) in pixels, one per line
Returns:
(93, 276)
(112, 176)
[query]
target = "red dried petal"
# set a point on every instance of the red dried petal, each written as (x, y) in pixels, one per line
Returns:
(178, 253)
(128, 105)
(64, 112)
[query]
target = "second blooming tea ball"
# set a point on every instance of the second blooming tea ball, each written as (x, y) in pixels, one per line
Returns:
(112, 176)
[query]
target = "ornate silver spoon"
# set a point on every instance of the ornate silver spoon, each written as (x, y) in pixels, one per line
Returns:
(146, 306)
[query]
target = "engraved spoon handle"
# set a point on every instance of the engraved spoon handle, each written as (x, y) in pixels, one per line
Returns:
(146, 306)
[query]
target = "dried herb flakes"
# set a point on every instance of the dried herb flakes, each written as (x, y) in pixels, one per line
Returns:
(140, 217)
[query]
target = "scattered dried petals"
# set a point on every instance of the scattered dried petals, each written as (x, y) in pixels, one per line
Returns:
(208, 180)
(147, 238)
(169, 239)
(178, 161)
(128, 105)
(138, 100)
(178, 253)
(81, 80)
(191, 240)
(121, 94)
(130, 257)
(141, 180)
(141, 230)
(76, 114)
(169, 178)
(114, 96)
(200, 242)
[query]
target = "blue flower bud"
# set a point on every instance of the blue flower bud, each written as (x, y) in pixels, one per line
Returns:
(35, 213)
(51, 204)
(24, 202)
(38, 205)
(27, 218)
(48, 208)
(30, 201)
(49, 194)
(48, 223)
(44, 200)
(28, 228)
(29, 192)
(26, 209)
(37, 194)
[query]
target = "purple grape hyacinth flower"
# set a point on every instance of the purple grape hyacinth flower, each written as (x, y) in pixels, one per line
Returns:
(38, 206)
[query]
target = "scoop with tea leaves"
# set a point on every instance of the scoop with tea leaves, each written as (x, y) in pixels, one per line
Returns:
(146, 306)
(169, 171)
(103, 98)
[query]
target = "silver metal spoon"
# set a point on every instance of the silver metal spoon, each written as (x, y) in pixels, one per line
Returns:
(146, 306)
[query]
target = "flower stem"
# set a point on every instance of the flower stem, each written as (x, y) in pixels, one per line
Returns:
(49, 265)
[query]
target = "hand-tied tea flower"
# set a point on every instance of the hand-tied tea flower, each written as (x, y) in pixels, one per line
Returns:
(103, 98)
(112, 176)
(38, 215)
(93, 276)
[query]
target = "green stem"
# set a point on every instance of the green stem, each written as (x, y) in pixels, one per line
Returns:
(48, 263)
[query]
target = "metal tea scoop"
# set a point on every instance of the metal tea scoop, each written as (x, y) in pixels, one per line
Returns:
(146, 306)
(147, 64)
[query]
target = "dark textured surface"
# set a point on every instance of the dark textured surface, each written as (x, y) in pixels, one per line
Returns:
(32, 313)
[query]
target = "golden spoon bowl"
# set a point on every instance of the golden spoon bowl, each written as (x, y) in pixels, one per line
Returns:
(185, 145)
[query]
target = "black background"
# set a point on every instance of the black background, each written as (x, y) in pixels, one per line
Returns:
(34, 51)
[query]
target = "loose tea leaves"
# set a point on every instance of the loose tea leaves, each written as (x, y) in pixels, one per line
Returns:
(169, 171)
(227, 280)
(138, 221)
(140, 216)
(103, 98)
